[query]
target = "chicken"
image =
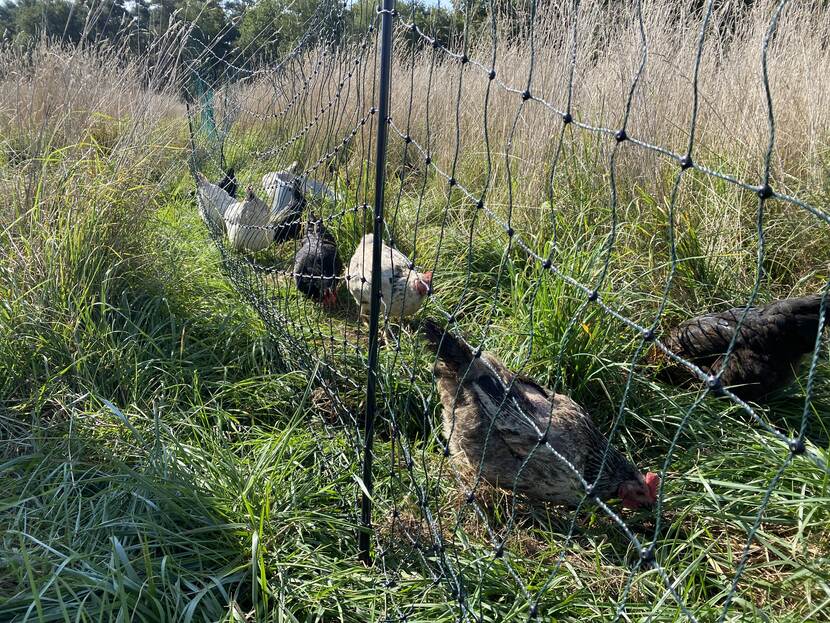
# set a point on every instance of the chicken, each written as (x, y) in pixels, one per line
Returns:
(768, 349)
(314, 187)
(247, 223)
(403, 288)
(317, 265)
(490, 429)
(278, 186)
(229, 183)
(284, 191)
(214, 201)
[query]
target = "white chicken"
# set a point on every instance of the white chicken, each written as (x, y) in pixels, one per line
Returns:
(247, 223)
(403, 288)
(214, 201)
(279, 187)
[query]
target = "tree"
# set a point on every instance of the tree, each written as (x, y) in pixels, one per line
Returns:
(107, 19)
(272, 28)
(48, 18)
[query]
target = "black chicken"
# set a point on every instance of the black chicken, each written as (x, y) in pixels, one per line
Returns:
(317, 265)
(772, 340)
(228, 183)
(491, 430)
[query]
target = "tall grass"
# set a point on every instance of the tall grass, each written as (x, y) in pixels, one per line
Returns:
(158, 462)
(434, 99)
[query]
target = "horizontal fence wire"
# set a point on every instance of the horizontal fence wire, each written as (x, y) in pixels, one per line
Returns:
(450, 539)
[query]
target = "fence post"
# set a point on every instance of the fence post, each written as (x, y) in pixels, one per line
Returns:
(364, 537)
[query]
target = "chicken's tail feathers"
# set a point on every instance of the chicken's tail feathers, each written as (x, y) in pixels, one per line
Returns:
(449, 348)
(812, 304)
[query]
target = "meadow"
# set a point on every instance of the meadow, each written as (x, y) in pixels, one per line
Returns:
(163, 456)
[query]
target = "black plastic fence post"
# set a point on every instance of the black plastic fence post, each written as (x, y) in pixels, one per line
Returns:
(364, 539)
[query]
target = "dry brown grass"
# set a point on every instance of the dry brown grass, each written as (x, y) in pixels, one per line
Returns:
(85, 147)
(732, 130)
(715, 220)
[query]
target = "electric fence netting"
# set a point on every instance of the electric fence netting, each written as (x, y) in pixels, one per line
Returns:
(547, 202)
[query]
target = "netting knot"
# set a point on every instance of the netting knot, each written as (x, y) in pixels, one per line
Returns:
(471, 497)
(765, 192)
(510, 232)
(464, 59)
(593, 296)
(648, 335)
(686, 162)
(525, 95)
(480, 204)
(567, 118)
(407, 139)
(492, 74)
(427, 160)
(547, 264)
(714, 384)
(621, 136)
(797, 446)
(498, 552)
(647, 555)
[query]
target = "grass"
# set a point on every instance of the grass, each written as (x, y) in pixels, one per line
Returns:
(164, 457)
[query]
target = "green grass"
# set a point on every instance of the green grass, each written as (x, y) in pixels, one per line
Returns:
(161, 460)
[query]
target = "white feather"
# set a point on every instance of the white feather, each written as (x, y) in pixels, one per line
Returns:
(247, 224)
(399, 296)
(215, 201)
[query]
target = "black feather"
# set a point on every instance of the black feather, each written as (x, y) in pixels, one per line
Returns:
(767, 351)
(229, 183)
(317, 263)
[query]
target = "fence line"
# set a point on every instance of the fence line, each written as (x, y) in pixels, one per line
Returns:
(412, 498)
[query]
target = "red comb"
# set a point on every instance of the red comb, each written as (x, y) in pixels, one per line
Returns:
(652, 482)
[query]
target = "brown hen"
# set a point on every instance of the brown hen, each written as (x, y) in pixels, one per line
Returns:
(491, 429)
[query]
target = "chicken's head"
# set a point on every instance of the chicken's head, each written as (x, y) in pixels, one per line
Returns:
(423, 283)
(641, 491)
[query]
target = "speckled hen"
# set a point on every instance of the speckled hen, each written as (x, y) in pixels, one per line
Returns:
(403, 288)
(492, 429)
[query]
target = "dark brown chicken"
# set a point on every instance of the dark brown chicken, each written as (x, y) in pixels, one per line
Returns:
(491, 429)
(317, 264)
(772, 340)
